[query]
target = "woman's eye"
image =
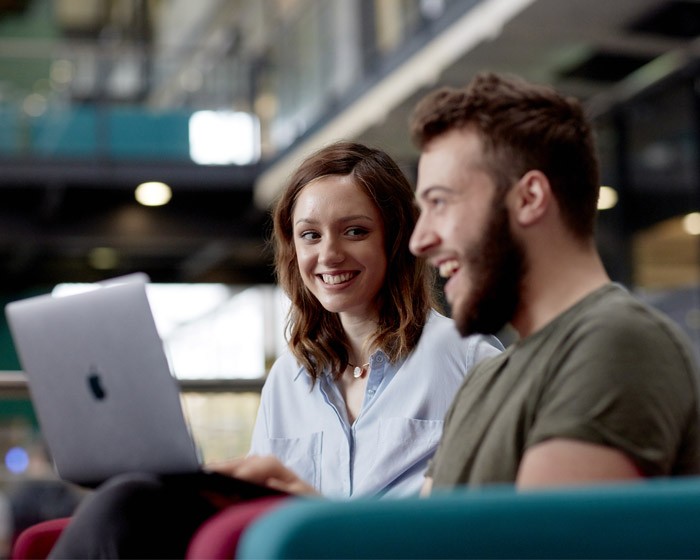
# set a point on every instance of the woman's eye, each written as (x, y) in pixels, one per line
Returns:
(309, 235)
(355, 232)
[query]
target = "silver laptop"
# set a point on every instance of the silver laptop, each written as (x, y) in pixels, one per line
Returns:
(100, 383)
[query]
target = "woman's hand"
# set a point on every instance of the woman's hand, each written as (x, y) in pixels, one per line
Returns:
(266, 471)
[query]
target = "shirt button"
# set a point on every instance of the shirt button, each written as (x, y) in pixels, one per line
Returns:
(370, 392)
(380, 359)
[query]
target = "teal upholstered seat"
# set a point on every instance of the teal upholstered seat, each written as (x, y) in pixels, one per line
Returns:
(652, 519)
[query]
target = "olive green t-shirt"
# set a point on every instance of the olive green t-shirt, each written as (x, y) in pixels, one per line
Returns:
(610, 370)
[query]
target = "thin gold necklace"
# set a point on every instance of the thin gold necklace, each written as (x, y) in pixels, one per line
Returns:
(358, 371)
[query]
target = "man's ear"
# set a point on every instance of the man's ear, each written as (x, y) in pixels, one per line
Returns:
(531, 198)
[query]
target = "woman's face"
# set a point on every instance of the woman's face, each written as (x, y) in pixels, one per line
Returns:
(339, 240)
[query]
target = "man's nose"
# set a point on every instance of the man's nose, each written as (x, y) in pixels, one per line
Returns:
(423, 238)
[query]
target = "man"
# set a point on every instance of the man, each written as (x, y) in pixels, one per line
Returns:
(599, 386)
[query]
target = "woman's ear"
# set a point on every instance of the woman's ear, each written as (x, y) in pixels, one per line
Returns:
(531, 198)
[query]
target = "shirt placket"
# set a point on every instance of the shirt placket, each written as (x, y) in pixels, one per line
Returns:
(341, 460)
(376, 375)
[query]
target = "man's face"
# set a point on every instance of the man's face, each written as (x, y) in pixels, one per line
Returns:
(464, 231)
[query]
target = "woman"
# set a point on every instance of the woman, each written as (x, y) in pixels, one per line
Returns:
(356, 405)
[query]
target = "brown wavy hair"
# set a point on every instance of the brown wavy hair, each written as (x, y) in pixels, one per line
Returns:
(316, 336)
(522, 126)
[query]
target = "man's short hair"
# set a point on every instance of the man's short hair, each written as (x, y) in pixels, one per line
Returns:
(522, 127)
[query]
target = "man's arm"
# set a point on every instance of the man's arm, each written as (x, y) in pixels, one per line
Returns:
(562, 461)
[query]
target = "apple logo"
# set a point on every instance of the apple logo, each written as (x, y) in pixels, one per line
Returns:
(95, 384)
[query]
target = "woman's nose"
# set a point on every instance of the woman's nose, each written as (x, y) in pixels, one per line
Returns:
(331, 252)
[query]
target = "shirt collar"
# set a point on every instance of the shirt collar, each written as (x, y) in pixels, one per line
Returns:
(302, 369)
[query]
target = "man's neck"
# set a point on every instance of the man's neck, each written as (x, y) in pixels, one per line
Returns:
(555, 282)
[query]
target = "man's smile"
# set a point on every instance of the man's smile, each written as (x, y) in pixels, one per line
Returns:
(448, 268)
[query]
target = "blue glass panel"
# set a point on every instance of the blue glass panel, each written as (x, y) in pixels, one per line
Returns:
(135, 133)
(65, 133)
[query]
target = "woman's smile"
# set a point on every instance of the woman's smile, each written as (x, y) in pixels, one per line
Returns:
(336, 278)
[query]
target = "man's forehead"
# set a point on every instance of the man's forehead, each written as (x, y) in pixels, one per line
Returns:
(463, 139)
(446, 162)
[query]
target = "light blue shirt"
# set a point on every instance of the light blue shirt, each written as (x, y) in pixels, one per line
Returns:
(386, 450)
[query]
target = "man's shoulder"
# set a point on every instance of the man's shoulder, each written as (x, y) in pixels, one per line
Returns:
(615, 327)
(618, 310)
(606, 329)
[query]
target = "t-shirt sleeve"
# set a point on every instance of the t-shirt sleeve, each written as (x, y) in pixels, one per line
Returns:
(448, 417)
(625, 384)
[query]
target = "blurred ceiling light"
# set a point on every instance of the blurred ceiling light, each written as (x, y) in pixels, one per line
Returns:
(34, 105)
(103, 258)
(607, 198)
(153, 193)
(691, 223)
(224, 137)
(61, 73)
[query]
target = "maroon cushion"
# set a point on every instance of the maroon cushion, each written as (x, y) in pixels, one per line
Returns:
(218, 537)
(37, 541)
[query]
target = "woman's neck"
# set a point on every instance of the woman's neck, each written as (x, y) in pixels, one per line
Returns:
(358, 331)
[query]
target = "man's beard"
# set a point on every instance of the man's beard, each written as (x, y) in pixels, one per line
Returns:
(495, 266)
